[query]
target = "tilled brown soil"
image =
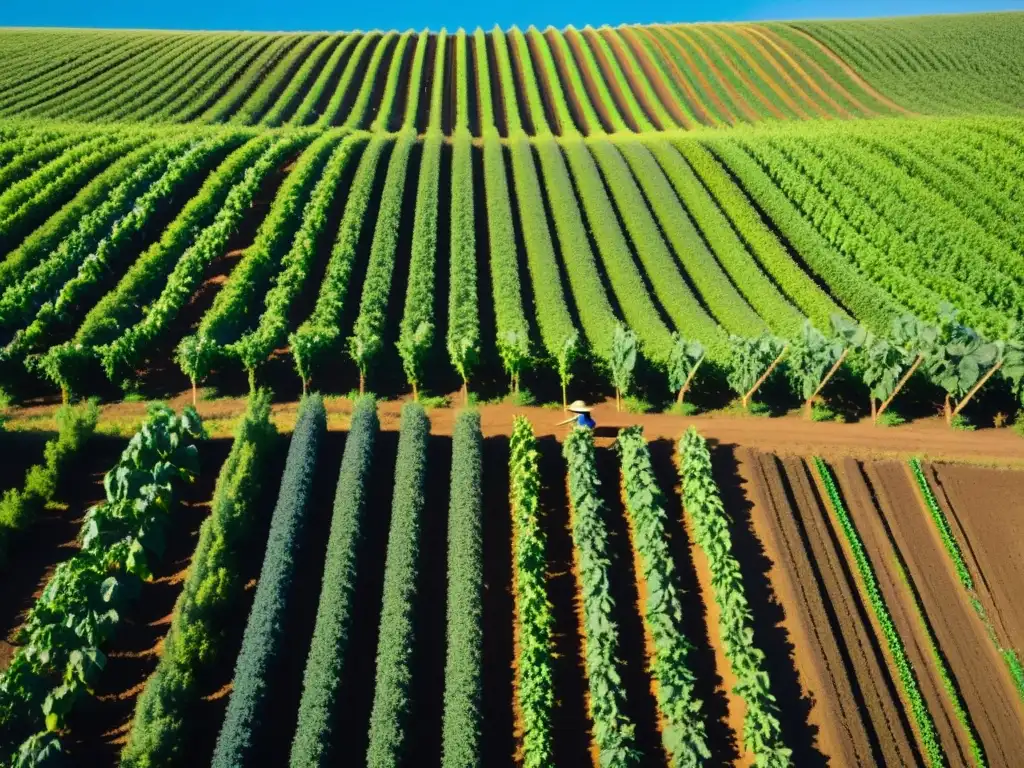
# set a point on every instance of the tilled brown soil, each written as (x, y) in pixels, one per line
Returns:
(980, 673)
(856, 706)
(866, 503)
(983, 507)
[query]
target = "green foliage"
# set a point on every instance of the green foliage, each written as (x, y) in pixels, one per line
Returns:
(684, 734)
(762, 730)
(251, 704)
(623, 358)
(897, 651)
(613, 730)
(20, 508)
(683, 362)
(942, 524)
(319, 336)
(535, 690)
(811, 356)
(463, 673)
(200, 623)
(81, 605)
(959, 357)
(389, 719)
(316, 739)
(367, 337)
(749, 360)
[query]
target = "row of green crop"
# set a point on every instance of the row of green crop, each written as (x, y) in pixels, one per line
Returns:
(389, 718)
(897, 651)
(305, 113)
(762, 730)
(684, 733)
(255, 682)
(288, 100)
(462, 718)
(320, 335)
(613, 732)
(198, 638)
(108, 254)
(391, 85)
(316, 739)
(258, 100)
(122, 354)
(59, 654)
(463, 334)
(533, 612)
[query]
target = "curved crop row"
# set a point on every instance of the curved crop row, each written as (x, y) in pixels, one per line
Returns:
(257, 103)
(762, 730)
(316, 739)
(731, 226)
(250, 708)
(462, 718)
(286, 104)
(869, 583)
(120, 355)
(105, 257)
(535, 690)
(201, 622)
(271, 331)
(391, 703)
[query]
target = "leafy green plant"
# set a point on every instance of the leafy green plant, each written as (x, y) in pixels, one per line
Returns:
(389, 717)
(762, 729)
(316, 739)
(535, 690)
(200, 623)
(683, 363)
(814, 359)
(463, 672)
(81, 606)
(463, 336)
(253, 691)
(897, 652)
(684, 734)
(613, 729)
(960, 362)
(622, 361)
(751, 362)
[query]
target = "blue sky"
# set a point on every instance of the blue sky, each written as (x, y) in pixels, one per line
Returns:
(401, 14)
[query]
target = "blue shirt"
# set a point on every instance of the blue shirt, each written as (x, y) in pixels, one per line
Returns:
(584, 420)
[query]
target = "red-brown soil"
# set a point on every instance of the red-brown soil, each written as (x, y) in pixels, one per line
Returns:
(866, 504)
(635, 80)
(572, 96)
(973, 660)
(614, 88)
(682, 80)
(841, 662)
(983, 506)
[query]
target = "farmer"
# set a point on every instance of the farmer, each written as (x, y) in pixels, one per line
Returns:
(581, 415)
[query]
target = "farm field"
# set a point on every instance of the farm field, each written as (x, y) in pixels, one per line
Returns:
(290, 324)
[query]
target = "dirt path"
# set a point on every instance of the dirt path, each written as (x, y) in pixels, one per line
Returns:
(865, 503)
(979, 671)
(977, 502)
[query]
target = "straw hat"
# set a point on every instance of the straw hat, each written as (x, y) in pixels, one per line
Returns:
(578, 406)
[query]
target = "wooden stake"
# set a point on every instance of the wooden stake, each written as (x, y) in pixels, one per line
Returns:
(765, 375)
(899, 386)
(362, 382)
(415, 392)
(825, 381)
(194, 396)
(974, 390)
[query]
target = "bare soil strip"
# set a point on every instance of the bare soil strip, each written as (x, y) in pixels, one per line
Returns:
(978, 503)
(589, 79)
(627, 37)
(846, 731)
(979, 671)
(865, 502)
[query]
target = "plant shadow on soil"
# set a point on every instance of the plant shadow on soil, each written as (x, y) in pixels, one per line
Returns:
(708, 686)
(799, 734)
(498, 608)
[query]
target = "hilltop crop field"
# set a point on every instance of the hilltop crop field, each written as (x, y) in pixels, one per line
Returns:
(365, 274)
